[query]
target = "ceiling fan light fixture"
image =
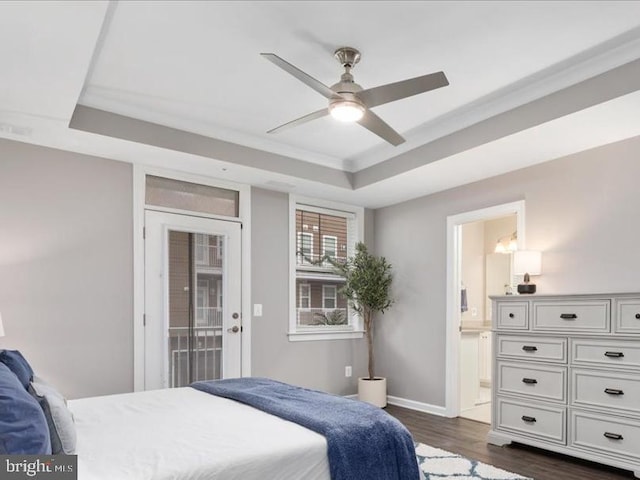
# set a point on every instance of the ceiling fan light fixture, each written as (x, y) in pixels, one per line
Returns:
(346, 110)
(348, 102)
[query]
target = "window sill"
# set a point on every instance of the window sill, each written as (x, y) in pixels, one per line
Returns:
(301, 336)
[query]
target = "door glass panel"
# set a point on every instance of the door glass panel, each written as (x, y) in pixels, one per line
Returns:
(195, 307)
(193, 327)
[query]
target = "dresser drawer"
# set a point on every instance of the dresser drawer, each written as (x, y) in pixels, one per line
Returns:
(610, 352)
(607, 390)
(628, 316)
(619, 437)
(581, 317)
(532, 348)
(513, 316)
(540, 421)
(544, 382)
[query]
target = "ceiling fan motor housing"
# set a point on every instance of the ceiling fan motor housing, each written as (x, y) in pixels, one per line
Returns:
(346, 88)
(347, 56)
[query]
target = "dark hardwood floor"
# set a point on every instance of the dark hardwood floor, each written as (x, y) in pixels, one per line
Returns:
(468, 438)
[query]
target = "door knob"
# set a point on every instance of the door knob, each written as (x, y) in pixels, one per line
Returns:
(234, 329)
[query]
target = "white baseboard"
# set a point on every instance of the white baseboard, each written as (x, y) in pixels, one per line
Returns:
(411, 404)
(419, 406)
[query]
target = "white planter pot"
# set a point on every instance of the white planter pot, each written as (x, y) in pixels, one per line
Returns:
(373, 391)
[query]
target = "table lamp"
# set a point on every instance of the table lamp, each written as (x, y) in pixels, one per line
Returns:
(527, 262)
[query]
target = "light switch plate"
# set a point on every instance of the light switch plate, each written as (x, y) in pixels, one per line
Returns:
(257, 309)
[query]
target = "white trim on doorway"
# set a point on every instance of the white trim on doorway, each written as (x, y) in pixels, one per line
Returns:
(454, 230)
(244, 218)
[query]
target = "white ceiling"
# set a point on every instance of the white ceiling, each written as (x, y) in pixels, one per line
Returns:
(195, 67)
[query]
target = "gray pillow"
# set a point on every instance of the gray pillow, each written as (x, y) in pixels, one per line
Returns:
(59, 418)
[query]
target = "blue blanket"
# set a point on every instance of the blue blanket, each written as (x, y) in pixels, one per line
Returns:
(364, 442)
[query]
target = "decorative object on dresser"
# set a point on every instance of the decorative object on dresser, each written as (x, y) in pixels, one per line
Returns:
(567, 370)
(527, 262)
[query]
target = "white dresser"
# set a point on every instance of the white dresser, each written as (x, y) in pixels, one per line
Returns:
(566, 372)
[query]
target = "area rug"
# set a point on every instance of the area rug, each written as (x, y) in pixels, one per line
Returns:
(438, 464)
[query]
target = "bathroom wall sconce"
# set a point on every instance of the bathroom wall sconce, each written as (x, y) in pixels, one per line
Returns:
(507, 244)
(527, 263)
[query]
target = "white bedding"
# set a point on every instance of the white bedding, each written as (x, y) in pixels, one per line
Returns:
(185, 434)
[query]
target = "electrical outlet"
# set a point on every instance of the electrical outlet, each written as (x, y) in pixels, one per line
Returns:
(347, 371)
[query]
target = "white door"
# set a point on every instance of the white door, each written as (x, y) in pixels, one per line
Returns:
(191, 264)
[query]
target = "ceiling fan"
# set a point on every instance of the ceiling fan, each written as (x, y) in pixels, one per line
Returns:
(348, 102)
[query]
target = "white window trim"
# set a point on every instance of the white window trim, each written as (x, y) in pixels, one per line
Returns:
(296, 334)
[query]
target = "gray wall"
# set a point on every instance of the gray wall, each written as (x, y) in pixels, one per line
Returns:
(66, 266)
(582, 212)
(66, 269)
(66, 289)
(316, 364)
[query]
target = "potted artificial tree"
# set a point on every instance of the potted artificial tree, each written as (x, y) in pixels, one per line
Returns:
(367, 288)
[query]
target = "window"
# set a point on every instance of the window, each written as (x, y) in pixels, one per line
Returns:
(329, 295)
(304, 298)
(321, 233)
(194, 197)
(202, 303)
(329, 248)
(202, 249)
(304, 249)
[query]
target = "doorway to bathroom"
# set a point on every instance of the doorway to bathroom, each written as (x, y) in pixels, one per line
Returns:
(480, 265)
(485, 269)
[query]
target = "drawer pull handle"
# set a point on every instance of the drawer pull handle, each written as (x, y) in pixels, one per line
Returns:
(638, 316)
(568, 316)
(511, 315)
(530, 419)
(614, 354)
(613, 436)
(531, 381)
(613, 391)
(530, 348)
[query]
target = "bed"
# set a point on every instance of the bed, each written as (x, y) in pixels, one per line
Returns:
(184, 433)
(249, 429)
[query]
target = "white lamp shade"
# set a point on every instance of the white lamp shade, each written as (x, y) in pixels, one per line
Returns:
(527, 261)
(1, 327)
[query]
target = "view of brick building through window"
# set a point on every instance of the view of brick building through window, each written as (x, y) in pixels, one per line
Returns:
(318, 236)
(195, 339)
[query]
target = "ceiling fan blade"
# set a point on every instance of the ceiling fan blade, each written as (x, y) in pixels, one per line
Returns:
(305, 78)
(375, 124)
(301, 120)
(373, 97)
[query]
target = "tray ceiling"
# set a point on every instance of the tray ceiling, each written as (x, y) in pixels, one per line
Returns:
(188, 81)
